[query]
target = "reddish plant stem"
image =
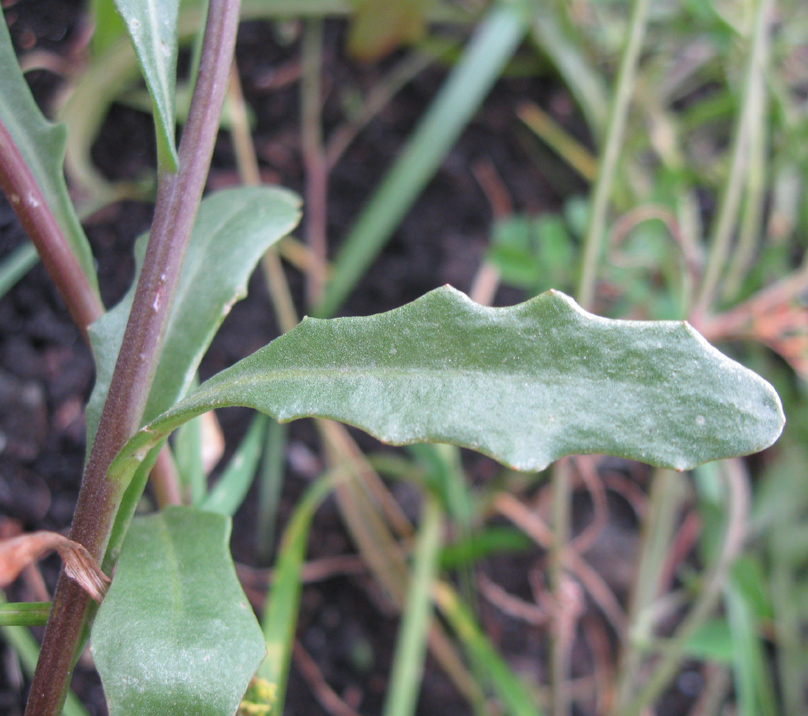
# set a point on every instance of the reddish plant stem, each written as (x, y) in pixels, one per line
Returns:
(315, 160)
(178, 198)
(28, 202)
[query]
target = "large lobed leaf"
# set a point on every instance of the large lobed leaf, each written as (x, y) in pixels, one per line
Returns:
(175, 635)
(526, 384)
(152, 25)
(42, 146)
(233, 229)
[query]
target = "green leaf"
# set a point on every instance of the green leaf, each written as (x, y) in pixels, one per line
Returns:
(189, 460)
(175, 634)
(233, 230)
(42, 146)
(515, 698)
(152, 25)
(526, 384)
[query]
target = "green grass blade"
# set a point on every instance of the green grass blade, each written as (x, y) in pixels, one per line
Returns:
(283, 601)
(269, 494)
(486, 542)
(753, 682)
(408, 661)
(497, 37)
(229, 492)
(16, 265)
(515, 698)
(568, 54)
(445, 471)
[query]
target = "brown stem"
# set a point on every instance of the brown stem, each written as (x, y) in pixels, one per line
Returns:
(178, 198)
(314, 160)
(28, 202)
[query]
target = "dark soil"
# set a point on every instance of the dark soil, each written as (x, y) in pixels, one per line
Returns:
(46, 372)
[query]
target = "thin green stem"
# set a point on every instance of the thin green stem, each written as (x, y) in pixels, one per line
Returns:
(20, 639)
(752, 218)
(665, 669)
(24, 613)
(607, 170)
(665, 502)
(725, 222)
(16, 265)
(177, 202)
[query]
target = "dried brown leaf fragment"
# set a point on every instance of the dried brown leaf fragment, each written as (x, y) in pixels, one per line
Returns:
(19, 552)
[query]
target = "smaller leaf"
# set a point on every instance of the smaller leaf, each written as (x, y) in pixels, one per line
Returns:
(175, 635)
(152, 25)
(516, 700)
(233, 229)
(19, 552)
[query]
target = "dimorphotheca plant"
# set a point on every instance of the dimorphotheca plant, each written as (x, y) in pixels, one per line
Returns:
(525, 385)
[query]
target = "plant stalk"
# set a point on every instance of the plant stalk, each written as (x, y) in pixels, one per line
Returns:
(726, 220)
(31, 208)
(672, 653)
(314, 159)
(666, 500)
(593, 243)
(178, 199)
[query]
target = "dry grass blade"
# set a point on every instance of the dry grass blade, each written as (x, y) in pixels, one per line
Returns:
(19, 552)
(370, 529)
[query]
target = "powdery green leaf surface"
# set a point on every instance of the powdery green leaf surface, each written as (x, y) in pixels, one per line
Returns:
(526, 384)
(152, 25)
(175, 634)
(233, 230)
(42, 146)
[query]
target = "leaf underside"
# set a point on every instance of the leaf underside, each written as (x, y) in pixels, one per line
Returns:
(152, 26)
(175, 634)
(526, 384)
